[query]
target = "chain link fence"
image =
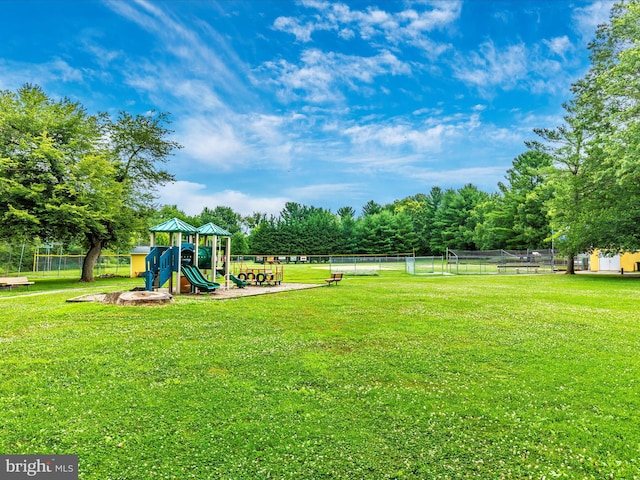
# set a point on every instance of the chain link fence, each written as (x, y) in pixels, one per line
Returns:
(48, 265)
(50, 261)
(501, 261)
(433, 265)
(366, 264)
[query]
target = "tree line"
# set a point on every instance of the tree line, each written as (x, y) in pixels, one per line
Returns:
(423, 224)
(89, 179)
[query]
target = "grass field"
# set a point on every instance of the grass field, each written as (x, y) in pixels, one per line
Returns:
(387, 376)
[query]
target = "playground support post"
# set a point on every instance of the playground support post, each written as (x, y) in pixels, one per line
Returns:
(214, 258)
(179, 272)
(227, 263)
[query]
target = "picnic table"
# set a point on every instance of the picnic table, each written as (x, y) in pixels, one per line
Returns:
(10, 282)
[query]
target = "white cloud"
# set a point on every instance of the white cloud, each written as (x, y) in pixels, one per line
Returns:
(293, 26)
(398, 136)
(410, 26)
(212, 141)
(233, 142)
(320, 74)
(530, 120)
(310, 81)
(586, 19)
(346, 34)
(492, 66)
(14, 75)
(539, 68)
(103, 56)
(205, 57)
(63, 71)
(443, 14)
(191, 198)
(197, 94)
(413, 140)
(139, 16)
(372, 164)
(561, 46)
(508, 136)
(205, 94)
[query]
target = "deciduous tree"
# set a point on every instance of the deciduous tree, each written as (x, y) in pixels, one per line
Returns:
(70, 175)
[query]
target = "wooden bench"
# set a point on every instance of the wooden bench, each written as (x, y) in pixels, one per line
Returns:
(10, 282)
(335, 278)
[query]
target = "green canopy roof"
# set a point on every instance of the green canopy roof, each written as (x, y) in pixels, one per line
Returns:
(213, 229)
(174, 225)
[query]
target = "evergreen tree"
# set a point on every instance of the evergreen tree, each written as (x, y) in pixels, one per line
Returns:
(517, 217)
(455, 220)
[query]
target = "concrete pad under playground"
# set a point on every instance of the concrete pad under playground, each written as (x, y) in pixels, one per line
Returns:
(252, 290)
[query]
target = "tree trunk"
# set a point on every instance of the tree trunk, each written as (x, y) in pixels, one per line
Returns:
(571, 264)
(90, 260)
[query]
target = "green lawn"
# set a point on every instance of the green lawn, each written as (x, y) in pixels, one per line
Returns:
(386, 376)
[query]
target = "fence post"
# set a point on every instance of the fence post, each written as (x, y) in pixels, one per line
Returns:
(21, 257)
(445, 261)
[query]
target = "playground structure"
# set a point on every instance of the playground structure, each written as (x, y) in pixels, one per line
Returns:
(183, 259)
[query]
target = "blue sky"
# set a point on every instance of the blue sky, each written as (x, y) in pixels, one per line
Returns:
(322, 103)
